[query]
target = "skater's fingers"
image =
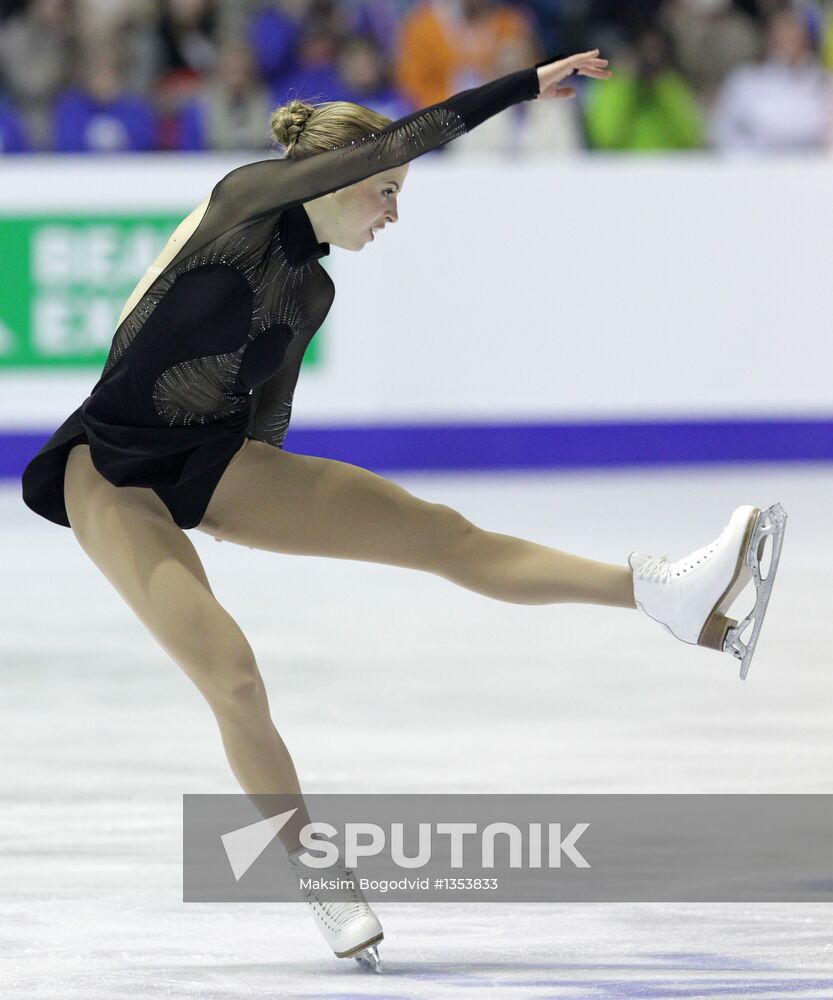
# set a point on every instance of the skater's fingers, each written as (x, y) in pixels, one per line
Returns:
(596, 68)
(581, 56)
(593, 66)
(560, 68)
(585, 60)
(582, 64)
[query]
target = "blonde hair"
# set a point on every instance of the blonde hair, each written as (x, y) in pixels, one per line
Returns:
(305, 129)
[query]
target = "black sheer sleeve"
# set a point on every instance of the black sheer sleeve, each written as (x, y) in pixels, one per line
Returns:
(262, 187)
(271, 401)
(267, 186)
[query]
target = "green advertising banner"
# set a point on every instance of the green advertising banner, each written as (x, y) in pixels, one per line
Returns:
(66, 279)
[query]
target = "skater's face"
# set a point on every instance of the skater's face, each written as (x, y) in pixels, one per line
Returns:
(360, 209)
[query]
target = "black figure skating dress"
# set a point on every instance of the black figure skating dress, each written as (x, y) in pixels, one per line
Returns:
(211, 353)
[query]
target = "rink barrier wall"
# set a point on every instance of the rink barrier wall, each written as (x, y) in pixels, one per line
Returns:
(458, 447)
(569, 312)
(576, 288)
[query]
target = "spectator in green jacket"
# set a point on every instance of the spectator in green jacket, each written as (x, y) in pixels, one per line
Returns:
(646, 105)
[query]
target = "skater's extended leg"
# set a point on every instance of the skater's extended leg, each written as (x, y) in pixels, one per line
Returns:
(130, 535)
(301, 504)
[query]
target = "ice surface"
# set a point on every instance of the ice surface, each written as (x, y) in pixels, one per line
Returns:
(385, 679)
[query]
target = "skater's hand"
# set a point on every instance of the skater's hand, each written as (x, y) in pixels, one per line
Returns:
(585, 64)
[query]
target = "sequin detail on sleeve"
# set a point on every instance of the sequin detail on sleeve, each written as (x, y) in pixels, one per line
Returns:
(273, 409)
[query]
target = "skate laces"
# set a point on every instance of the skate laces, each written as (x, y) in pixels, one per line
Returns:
(655, 568)
(340, 912)
(660, 568)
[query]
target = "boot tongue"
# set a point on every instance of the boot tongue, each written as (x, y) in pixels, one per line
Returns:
(651, 567)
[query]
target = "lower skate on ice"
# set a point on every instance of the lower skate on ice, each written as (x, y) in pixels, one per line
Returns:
(343, 915)
(690, 597)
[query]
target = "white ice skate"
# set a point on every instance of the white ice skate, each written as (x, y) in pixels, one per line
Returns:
(690, 597)
(343, 916)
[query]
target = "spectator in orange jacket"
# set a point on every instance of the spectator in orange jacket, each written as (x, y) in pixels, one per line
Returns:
(446, 46)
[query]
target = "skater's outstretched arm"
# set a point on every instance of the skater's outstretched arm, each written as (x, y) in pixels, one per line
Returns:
(263, 187)
(256, 189)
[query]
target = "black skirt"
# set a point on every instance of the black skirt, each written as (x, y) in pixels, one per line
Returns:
(182, 465)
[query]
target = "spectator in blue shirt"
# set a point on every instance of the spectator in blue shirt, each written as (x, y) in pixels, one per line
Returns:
(100, 116)
(316, 76)
(13, 137)
(273, 36)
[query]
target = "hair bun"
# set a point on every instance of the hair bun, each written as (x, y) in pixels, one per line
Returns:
(288, 122)
(306, 129)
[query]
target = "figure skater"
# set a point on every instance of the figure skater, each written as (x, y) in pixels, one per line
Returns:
(184, 429)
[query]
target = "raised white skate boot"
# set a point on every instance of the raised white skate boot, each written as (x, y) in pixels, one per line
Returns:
(343, 916)
(690, 597)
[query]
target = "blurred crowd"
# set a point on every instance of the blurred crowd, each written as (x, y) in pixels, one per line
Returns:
(111, 76)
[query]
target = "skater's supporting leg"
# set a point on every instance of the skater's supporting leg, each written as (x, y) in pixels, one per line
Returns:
(301, 504)
(130, 536)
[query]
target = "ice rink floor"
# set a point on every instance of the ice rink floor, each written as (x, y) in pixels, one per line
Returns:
(384, 679)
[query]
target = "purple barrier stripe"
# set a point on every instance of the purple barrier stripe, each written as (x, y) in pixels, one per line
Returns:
(532, 446)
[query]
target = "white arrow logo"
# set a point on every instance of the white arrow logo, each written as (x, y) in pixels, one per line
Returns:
(244, 846)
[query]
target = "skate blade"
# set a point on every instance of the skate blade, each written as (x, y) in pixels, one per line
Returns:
(369, 959)
(769, 523)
